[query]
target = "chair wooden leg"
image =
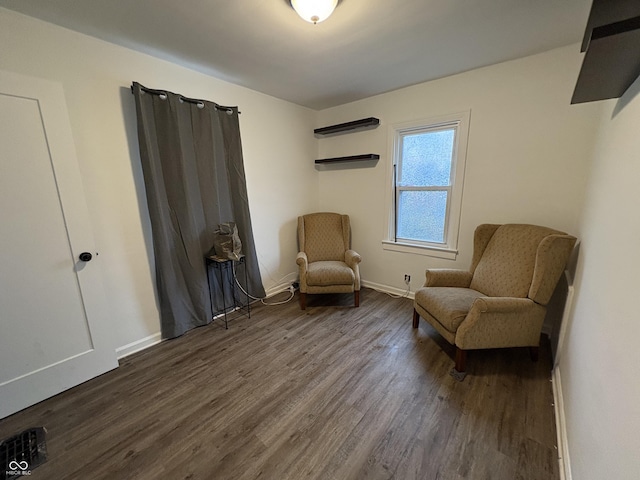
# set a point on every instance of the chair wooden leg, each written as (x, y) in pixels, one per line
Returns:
(461, 359)
(416, 319)
(303, 301)
(458, 372)
(534, 352)
(356, 298)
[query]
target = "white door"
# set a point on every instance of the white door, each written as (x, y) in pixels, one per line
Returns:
(54, 331)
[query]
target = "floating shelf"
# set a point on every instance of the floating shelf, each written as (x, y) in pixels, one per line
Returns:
(612, 62)
(363, 124)
(607, 12)
(612, 45)
(367, 156)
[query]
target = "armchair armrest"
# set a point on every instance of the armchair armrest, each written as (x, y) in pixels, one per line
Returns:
(352, 258)
(303, 263)
(447, 277)
(497, 322)
(302, 260)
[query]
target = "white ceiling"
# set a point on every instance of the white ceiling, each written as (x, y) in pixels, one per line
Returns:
(365, 48)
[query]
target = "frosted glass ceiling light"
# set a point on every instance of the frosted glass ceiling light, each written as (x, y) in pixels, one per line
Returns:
(314, 11)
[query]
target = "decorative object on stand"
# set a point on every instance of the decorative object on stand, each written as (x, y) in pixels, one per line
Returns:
(226, 241)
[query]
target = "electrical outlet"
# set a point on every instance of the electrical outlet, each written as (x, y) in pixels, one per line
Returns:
(407, 279)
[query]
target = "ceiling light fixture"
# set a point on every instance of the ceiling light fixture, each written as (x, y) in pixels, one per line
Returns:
(314, 11)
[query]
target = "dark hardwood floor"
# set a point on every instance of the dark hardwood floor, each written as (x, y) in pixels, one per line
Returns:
(333, 392)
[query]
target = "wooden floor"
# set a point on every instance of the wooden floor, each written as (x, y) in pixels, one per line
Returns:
(332, 392)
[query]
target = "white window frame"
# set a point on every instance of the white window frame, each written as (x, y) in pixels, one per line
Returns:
(449, 248)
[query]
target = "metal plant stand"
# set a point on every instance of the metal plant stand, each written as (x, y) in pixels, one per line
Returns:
(225, 269)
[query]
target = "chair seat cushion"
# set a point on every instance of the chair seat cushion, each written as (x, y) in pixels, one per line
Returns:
(329, 273)
(448, 305)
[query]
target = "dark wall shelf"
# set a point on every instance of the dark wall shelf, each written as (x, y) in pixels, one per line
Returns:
(607, 12)
(611, 64)
(348, 127)
(367, 156)
(612, 44)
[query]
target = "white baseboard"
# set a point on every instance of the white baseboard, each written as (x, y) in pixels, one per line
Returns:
(561, 427)
(564, 323)
(151, 340)
(386, 289)
(138, 345)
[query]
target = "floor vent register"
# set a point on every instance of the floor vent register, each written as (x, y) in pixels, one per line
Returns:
(22, 453)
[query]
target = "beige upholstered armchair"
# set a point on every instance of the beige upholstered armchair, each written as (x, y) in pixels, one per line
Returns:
(327, 263)
(501, 301)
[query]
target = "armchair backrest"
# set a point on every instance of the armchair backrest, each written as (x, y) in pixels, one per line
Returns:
(324, 236)
(521, 261)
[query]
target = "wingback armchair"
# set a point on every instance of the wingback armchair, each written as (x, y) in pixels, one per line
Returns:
(501, 301)
(327, 263)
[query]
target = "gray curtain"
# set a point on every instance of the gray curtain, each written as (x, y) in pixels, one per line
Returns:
(194, 179)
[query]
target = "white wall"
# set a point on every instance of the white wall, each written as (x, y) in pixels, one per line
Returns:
(278, 150)
(527, 156)
(599, 362)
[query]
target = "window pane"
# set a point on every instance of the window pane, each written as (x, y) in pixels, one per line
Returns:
(426, 158)
(421, 215)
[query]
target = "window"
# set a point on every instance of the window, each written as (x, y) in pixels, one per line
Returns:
(428, 173)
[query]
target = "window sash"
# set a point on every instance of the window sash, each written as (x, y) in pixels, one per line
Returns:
(402, 134)
(447, 189)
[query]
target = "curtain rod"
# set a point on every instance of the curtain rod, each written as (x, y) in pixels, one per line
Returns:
(184, 99)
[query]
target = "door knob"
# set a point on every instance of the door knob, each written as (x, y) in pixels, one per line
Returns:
(85, 257)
